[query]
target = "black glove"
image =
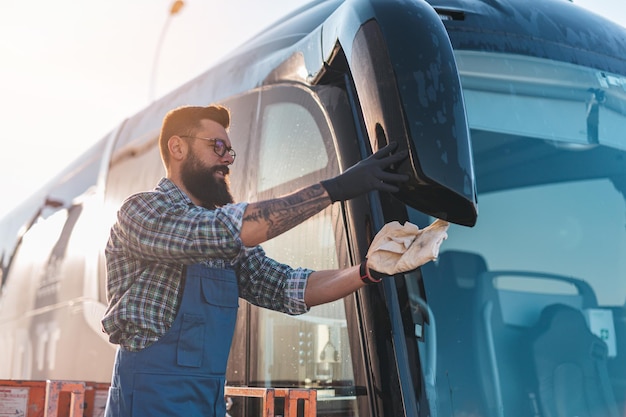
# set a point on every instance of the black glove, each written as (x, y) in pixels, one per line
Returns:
(367, 175)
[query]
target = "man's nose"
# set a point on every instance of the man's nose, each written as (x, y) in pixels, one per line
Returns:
(228, 159)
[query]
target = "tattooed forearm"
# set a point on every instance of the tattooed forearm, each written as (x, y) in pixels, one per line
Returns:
(278, 215)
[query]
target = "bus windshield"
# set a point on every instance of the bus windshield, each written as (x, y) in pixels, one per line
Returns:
(528, 305)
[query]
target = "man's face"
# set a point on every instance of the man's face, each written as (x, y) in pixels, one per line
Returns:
(204, 173)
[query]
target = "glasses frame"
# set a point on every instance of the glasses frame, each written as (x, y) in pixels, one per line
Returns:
(226, 149)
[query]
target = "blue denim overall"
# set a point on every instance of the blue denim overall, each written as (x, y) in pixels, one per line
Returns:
(183, 373)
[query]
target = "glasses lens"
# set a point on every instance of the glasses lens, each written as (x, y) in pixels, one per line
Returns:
(219, 147)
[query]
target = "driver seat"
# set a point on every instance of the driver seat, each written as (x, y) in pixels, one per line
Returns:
(571, 366)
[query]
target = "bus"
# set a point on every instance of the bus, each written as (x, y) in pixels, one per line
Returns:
(514, 116)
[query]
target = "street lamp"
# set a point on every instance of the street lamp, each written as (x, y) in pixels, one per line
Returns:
(177, 5)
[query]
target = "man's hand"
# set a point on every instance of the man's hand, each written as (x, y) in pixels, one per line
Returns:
(401, 248)
(367, 175)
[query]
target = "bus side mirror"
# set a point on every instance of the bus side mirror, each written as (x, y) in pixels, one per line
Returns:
(410, 92)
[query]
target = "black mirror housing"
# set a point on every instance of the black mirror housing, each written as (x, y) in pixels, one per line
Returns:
(432, 125)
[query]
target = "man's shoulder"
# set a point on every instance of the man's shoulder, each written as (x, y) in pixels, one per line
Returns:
(143, 197)
(165, 194)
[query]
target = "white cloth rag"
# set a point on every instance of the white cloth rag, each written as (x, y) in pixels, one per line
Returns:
(400, 248)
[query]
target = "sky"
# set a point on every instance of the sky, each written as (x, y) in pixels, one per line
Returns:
(72, 70)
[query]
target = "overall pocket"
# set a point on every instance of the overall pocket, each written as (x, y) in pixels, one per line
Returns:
(191, 341)
(221, 300)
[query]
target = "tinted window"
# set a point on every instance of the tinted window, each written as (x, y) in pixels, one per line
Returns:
(312, 350)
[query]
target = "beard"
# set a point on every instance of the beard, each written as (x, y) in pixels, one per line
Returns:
(202, 183)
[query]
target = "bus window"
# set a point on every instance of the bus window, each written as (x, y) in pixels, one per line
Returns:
(548, 244)
(138, 159)
(311, 350)
(295, 143)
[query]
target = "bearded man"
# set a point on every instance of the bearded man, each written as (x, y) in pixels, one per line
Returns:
(180, 256)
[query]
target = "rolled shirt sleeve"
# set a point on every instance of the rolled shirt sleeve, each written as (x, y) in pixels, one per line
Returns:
(268, 283)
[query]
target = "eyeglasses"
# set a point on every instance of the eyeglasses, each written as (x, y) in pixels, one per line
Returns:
(219, 146)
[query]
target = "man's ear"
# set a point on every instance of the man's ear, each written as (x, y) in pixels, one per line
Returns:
(177, 147)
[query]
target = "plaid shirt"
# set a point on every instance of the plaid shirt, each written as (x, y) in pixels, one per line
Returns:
(160, 231)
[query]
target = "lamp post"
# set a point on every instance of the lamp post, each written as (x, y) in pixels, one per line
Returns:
(177, 5)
